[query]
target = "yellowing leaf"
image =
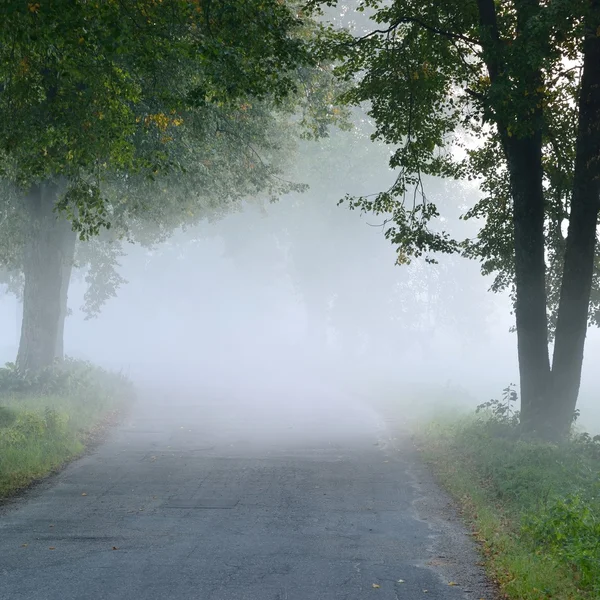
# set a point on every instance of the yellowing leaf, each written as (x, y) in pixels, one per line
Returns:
(376, 585)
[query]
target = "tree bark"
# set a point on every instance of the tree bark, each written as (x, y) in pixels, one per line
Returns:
(572, 318)
(526, 175)
(524, 158)
(48, 261)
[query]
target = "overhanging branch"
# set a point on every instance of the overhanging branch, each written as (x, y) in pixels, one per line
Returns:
(416, 21)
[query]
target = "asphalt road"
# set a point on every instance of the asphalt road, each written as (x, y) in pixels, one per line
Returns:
(212, 496)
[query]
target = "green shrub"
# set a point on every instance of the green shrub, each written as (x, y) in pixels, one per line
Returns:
(546, 498)
(69, 376)
(45, 420)
(7, 416)
(569, 528)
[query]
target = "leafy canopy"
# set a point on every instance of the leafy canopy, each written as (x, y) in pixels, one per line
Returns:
(157, 113)
(107, 90)
(423, 68)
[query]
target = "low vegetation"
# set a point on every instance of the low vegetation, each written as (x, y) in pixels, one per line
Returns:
(534, 506)
(50, 418)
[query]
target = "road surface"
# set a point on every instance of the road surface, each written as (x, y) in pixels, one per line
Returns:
(210, 496)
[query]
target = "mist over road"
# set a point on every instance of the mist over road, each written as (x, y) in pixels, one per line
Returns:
(217, 494)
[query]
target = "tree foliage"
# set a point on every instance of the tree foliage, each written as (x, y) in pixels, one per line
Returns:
(506, 93)
(422, 68)
(156, 114)
(93, 91)
(338, 264)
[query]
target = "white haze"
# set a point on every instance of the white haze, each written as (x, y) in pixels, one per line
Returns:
(196, 321)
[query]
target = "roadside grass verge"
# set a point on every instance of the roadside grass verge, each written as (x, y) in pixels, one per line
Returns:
(50, 419)
(534, 507)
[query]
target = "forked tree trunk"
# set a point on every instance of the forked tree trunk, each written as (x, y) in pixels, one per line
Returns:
(549, 397)
(48, 261)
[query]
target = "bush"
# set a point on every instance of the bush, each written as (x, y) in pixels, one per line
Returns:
(69, 376)
(46, 419)
(569, 528)
(7, 416)
(30, 425)
(546, 496)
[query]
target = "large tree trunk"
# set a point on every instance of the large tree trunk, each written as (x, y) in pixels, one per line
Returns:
(525, 166)
(548, 398)
(48, 262)
(524, 157)
(572, 321)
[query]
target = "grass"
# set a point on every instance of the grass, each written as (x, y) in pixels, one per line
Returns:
(48, 420)
(533, 506)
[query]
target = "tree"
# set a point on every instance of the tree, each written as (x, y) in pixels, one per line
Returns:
(359, 309)
(514, 86)
(140, 117)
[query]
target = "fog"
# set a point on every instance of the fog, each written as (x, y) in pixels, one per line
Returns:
(298, 305)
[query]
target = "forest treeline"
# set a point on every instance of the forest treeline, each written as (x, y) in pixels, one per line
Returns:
(124, 120)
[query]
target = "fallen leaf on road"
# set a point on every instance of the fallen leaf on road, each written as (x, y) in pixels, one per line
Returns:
(115, 548)
(376, 585)
(84, 494)
(400, 580)
(52, 548)
(452, 583)
(24, 545)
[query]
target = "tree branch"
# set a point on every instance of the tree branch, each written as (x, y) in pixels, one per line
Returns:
(488, 22)
(417, 21)
(474, 94)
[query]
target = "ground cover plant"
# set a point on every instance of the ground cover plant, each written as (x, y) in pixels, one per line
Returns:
(534, 506)
(50, 417)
